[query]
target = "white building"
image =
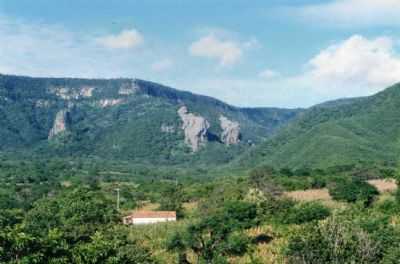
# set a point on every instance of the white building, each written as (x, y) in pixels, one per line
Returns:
(149, 217)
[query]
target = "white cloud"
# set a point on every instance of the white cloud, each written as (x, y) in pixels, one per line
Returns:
(124, 40)
(253, 43)
(354, 67)
(162, 65)
(268, 74)
(29, 48)
(225, 51)
(355, 12)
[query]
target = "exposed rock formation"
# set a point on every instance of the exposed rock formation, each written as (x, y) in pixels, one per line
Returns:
(128, 88)
(230, 131)
(42, 103)
(110, 102)
(68, 93)
(167, 129)
(60, 124)
(194, 127)
(87, 91)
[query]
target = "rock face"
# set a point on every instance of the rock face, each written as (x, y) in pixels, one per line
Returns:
(60, 124)
(167, 129)
(194, 127)
(129, 88)
(110, 102)
(68, 93)
(230, 131)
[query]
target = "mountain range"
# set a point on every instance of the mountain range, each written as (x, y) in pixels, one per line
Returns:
(143, 122)
(127, 120)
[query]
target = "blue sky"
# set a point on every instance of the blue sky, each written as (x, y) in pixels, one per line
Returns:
(283, 53)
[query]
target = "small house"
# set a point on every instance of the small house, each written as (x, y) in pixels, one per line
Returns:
(149, 217)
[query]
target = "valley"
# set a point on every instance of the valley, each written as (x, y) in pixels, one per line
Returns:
(246, 185)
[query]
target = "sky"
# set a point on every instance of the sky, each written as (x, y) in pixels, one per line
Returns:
(275, 53)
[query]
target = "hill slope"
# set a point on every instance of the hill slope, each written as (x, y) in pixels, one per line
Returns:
(125, 119)
(338, 133)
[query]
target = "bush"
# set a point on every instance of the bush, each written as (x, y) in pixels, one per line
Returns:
(335, 241)
(353, 190)
(389, 206)
(306, 212)
(276, 209)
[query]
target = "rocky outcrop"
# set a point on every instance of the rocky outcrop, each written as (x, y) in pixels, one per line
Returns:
(167, 129)
(230, 131)
(194, 127)
(103, 103)
(60, 124)
(68, 93)
(128, 88)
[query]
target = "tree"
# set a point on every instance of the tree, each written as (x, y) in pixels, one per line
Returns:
(262, 179)
(111, 247)
(306, 212)
(218, 236)
(172, 199)
(79, 213)
(353, 190)
(336, 241)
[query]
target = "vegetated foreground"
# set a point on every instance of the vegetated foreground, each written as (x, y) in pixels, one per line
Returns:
(247, 185)
(266, 216)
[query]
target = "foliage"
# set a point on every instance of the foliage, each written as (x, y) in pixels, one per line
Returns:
(217, 236)
(353, 190)
(129, 130)
(172, 199)
(306, 212)
(352, 131)
(78, 213)
(335, 241)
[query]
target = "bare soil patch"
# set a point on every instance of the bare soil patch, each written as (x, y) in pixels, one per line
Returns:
(385, 185)
(310, 195)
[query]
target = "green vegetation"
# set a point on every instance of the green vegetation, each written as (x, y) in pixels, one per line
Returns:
(53, 212)
(359, 131)
(353, 190)
(235, 204)
(120, 120)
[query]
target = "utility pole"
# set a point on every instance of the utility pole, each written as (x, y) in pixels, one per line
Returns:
(117, 198)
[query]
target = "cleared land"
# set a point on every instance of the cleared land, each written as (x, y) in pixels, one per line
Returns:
(310, 195)
(387, 185)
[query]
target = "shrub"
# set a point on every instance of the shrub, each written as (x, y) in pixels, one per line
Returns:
(335, 241)
(306, 212)
(276, 209)
(353, 190)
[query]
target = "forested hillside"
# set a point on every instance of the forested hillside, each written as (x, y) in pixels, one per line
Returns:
(125, 119)
(363, 130)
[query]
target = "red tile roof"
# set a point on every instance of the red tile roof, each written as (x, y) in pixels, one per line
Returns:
(152, 214)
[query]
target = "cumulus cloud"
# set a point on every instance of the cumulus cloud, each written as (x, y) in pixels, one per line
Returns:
(225, 51)
(124, 40)
(356, 66)
(355, 12)
(162, 65)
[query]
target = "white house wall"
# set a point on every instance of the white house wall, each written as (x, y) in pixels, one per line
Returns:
(141, 221)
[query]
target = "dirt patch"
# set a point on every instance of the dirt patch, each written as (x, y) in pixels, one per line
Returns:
(310, 195)
(387, 185)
